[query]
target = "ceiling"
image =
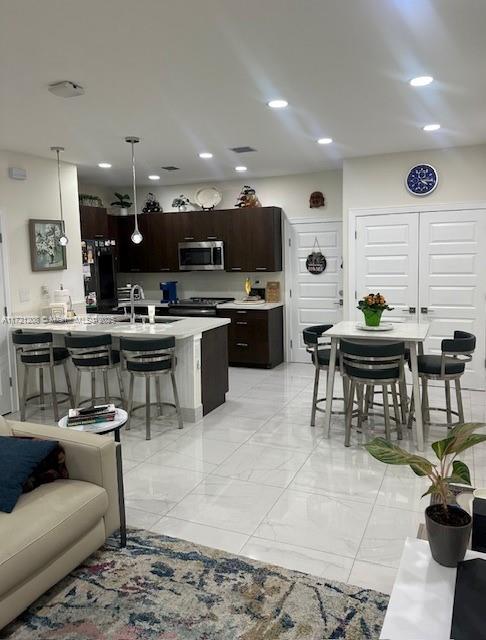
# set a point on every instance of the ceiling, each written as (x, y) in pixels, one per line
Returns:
(194, 75)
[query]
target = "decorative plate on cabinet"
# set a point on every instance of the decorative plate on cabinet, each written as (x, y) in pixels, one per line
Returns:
(422, 179)
(208, 197)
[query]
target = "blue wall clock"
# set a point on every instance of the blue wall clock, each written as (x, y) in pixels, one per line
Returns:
(422, 180)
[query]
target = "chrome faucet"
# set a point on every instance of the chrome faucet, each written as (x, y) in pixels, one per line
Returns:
(139, 288)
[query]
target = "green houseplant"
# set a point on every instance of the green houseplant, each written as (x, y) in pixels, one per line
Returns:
(372, 306)
(448, 526)
(123, 202)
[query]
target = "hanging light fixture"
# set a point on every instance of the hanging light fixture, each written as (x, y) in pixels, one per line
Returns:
(137, 237)
(63, 240)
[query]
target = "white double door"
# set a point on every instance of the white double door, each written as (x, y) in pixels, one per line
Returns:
(431, 267)
(314, 298)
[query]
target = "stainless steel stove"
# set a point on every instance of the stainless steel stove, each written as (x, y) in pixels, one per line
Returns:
(197, 306)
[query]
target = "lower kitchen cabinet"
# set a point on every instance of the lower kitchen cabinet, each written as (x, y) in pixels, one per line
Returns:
(255, 337)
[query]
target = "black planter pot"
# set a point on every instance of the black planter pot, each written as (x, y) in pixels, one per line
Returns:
(448, 543)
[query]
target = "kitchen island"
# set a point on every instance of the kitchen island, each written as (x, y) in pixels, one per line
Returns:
(201, 351)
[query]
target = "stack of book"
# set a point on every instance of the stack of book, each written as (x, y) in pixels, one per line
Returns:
(91, 415)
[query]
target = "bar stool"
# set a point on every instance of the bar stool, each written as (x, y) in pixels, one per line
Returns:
(94, 354)
(150, 358)
(367, 365)
(36, 351)
(320, 357)
(449, 365)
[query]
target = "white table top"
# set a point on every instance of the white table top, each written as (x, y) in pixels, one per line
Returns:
(422, 598)
(406, 331)
(121, 416)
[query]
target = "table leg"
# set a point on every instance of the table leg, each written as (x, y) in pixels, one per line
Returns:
(330, 386)
(121, 492)
(419, 427)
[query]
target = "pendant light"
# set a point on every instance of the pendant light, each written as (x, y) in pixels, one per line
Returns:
(136, 237)
(63, 240)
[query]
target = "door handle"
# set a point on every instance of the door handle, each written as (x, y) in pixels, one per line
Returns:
(242, 323)
(189, 238)
(260, 268)
(426, 310)
(410, 310)
(242, 344)
(339, 303)
(235, 268)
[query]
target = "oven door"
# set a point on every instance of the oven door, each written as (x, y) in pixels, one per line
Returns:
(201, 256)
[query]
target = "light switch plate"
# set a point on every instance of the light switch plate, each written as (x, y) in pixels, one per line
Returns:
(24, 294)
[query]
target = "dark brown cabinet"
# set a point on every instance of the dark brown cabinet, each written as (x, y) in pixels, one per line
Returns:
(94, 222)
(252, 238)
(255, 337)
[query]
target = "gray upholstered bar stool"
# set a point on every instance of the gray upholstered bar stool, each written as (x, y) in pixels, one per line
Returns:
(150, 358)
(94, 354)
(367, 365)
(320, 353)
(448, 366)
(36, 351)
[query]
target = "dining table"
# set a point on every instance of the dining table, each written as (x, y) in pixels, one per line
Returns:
(411, 333)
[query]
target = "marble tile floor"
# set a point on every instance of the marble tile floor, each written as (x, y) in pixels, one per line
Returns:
(254, 478)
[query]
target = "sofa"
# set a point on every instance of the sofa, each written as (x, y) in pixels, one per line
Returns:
(56, 526)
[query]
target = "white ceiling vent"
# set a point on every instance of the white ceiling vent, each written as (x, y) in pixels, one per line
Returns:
(66, 89)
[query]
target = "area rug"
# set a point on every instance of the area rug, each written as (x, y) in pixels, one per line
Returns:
(161, 588)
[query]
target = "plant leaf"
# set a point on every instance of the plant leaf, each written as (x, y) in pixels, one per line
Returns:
(461, 433)
(467, 443)
(389, 453)
(460, 473)
(441, 447)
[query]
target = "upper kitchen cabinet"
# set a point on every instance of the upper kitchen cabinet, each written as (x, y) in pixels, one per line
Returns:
(197, 226)
(94, 222)
(132, 258)
(161, 241)
(254, 239)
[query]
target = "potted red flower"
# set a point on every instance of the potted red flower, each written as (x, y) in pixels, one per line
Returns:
(372, 306)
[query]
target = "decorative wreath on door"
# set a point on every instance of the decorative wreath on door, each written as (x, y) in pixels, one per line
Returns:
(316, 262)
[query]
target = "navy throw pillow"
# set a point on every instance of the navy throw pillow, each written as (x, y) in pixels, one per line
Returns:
(18, 458)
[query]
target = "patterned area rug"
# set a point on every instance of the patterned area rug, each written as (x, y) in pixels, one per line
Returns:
(160, 588)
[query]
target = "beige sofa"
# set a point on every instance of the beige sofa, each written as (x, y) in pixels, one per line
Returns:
(55, 527)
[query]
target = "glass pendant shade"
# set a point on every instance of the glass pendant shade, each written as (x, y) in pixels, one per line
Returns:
(136, 236)
(63, 240)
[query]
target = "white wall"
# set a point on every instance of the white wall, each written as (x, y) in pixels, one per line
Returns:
(379, 181)
(38, 197)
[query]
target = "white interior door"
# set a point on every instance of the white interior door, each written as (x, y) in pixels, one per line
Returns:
(5, 389)
(315, 298)
(453, 282)
(387, 262)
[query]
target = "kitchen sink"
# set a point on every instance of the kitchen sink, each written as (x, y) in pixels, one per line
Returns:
(157, 319)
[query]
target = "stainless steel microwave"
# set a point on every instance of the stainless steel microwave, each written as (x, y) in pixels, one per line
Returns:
(201, 256)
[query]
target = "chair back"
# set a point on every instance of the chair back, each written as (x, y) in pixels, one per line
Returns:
(374, 361)
(37, 345)
(148, 354)
(461, 347)
(90, 350)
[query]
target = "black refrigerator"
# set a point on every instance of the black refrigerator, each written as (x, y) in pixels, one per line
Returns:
(99, 273)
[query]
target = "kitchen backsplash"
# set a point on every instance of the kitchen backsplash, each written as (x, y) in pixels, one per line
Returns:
(228, 285)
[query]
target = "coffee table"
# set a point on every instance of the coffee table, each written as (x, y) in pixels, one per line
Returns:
(103, 428)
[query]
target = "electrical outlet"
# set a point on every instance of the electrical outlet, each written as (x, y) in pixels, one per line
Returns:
(24, 294)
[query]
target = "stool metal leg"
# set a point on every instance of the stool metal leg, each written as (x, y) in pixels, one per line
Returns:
(122, 388)
(349, 414)
(411, 412)
(54, 393)
(105, 386)
(314, 396)
(425, 400)
(78, 388)
(359, 393)
(147, 408)
(396, 411)
(130, 402)
(68, 384)
(386, 411)
(448, 403)
(176, 400)
(42, 398)
(23, 402)
(460, 408)
(157, 391)
(93, 387)
(403, 398)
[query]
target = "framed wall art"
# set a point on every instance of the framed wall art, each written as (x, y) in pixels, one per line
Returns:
(46, 254)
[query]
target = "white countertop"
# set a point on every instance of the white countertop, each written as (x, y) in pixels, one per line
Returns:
(266, 306)
(101, 323)
(422, 598)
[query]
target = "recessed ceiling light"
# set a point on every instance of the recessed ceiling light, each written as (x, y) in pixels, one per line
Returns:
(324, 141)
(240, 168)
(431, 127)
(421, 81)
(278, 104)
(205, 155)
(104, 165)
(154, 177)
